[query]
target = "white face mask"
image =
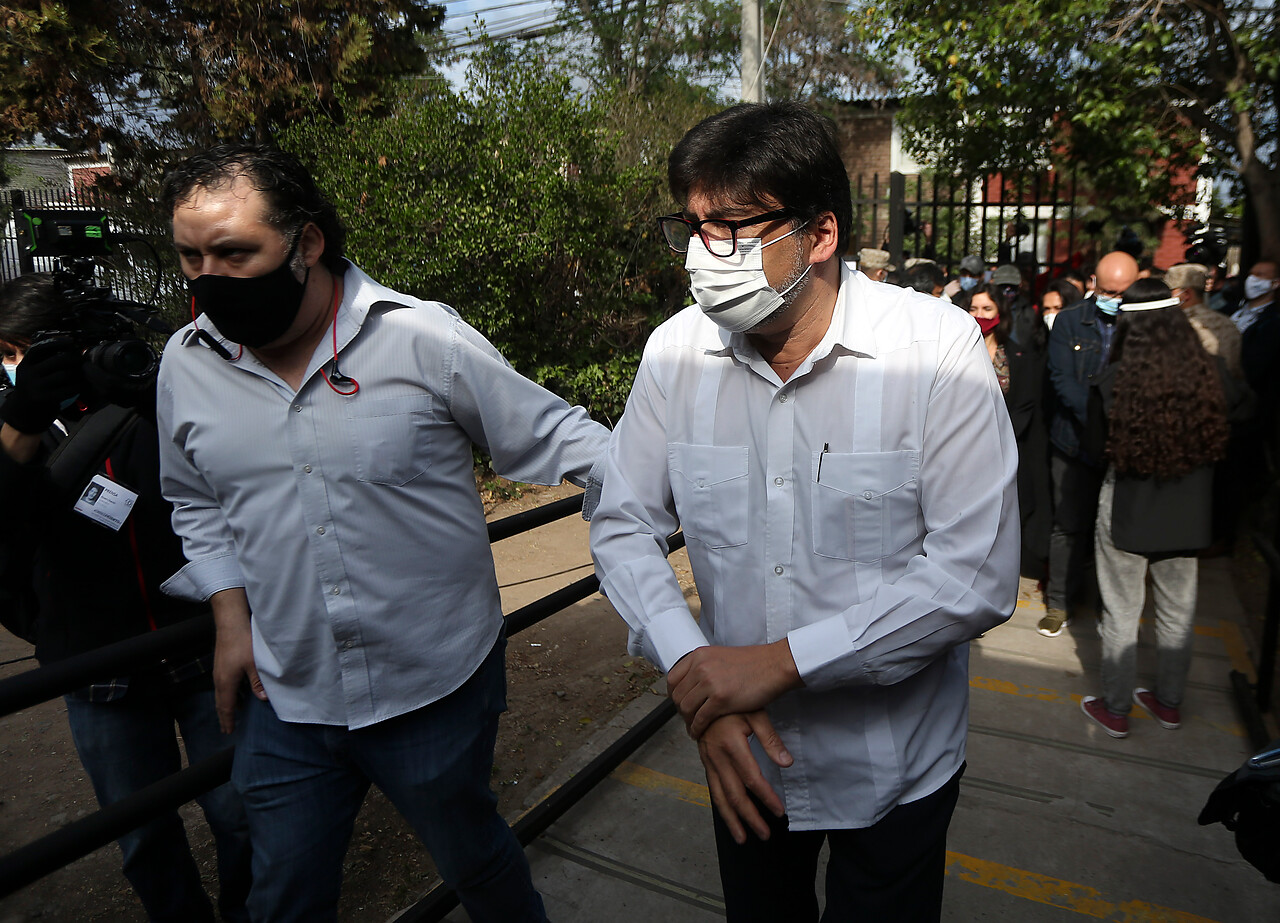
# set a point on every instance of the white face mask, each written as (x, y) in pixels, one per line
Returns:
(733, 290)
(1048, 320)
(1256, 287)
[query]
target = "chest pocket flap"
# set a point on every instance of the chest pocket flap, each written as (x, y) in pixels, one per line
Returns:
(866, 505)
(710, 487)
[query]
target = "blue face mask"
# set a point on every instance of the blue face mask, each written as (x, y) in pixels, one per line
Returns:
(1108, 306)
(968, 283)
(12, 372)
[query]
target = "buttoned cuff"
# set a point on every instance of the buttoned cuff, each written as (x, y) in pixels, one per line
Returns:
(201, 579)
(824, 654)
(670, 635)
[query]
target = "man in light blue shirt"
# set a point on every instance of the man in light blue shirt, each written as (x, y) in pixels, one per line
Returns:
(838, 455)
(316, 442)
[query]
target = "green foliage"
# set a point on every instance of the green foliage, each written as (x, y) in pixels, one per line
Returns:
(140, 74)
(508, 201)
(1132, 92)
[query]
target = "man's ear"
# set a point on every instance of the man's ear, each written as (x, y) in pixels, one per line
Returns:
(311, 244)
(824, 235)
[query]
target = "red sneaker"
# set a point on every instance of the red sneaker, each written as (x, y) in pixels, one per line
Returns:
(1113, 724)
(1168, 717)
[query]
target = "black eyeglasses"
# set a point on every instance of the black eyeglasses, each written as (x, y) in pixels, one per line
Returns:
(719, 236)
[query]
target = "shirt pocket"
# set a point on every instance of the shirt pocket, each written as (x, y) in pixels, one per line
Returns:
(710, 487)
(391, 437)
(865, 504)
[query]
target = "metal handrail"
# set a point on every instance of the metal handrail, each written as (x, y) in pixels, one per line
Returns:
(73, 841)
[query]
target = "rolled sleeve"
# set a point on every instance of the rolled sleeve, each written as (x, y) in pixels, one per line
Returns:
(199, 580)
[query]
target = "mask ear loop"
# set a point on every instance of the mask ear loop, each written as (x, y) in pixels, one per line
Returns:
(337, 373)
(206, 337)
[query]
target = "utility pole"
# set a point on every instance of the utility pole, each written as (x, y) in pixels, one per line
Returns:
(752, 53)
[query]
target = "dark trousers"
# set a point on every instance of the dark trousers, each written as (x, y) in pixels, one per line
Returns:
(892, 870)
(303, 785)
(129, 744)
(1075, 507)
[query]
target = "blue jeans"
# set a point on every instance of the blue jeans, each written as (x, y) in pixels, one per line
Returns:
(304, 783)
(127, 745)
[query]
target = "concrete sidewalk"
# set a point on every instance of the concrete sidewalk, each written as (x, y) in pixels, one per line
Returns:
(1056, 820)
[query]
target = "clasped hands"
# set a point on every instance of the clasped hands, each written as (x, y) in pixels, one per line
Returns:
(721, 693)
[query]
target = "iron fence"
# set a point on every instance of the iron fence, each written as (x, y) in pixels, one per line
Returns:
(141, 267)
(1038, 220)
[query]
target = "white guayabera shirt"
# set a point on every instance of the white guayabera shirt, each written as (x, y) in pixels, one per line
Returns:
(866, 510)
(353, 522)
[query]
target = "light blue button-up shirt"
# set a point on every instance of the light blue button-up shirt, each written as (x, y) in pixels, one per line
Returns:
(865, 510)
(353, 522)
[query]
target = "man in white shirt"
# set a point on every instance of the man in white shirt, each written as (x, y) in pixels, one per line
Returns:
(316, 438)
(838, 455)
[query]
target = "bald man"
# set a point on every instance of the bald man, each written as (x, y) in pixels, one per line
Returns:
(1078, 347)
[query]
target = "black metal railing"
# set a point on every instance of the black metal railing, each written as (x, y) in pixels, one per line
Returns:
(1254, 699)
(945, 218)
(41, 857)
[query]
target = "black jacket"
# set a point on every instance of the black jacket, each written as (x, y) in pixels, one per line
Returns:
(70, 584)
(1027, 403)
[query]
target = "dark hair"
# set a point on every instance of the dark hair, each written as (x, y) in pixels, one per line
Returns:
(1064, 290)
(29, 304)
(1075, 275)
(1004, 329)
(755, 152)
(293, 199)
(1169, 413)
(925, 277)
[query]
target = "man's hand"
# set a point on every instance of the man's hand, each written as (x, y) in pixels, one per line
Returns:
(725, 750)
(232, 655)
(710, 682)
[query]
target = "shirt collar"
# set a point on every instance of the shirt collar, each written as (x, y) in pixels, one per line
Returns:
(850, 326)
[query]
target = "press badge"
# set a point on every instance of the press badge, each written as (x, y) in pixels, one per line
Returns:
(106, 502)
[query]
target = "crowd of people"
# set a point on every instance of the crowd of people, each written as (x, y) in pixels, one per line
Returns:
(847, 460)
(1144, 402)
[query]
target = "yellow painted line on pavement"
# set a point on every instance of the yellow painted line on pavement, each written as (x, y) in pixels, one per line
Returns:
(650, 779)
(1056, 892)
(1030, 886)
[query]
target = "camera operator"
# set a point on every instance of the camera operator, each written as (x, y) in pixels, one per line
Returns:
(83, 567)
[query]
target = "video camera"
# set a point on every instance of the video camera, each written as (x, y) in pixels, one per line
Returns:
(104, 326)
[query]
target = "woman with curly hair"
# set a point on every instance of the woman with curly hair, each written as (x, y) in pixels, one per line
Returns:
(1018, 357)
(1159, 410)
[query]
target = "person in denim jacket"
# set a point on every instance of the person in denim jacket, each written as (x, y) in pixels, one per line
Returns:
(1078, 348)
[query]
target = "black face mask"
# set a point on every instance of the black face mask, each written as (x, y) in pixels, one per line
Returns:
(253, 311)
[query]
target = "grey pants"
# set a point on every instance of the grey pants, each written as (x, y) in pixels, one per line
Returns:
(1122, 584)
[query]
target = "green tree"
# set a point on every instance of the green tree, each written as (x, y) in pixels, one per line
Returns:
(1131, 91)
(508, 202)
(81, 72)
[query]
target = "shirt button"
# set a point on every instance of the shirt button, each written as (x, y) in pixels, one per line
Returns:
(782, 398)
(306, 468)
(348, 644)
(778, 570)
(778, 481)
(320, 530)
(867, 495)
(297, 408)
(336, 591)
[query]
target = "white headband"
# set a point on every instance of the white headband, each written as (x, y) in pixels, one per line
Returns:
(1151, 305)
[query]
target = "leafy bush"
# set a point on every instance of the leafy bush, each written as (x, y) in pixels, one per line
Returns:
(509, 202)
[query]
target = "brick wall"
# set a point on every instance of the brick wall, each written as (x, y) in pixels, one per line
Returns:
(866, 144)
